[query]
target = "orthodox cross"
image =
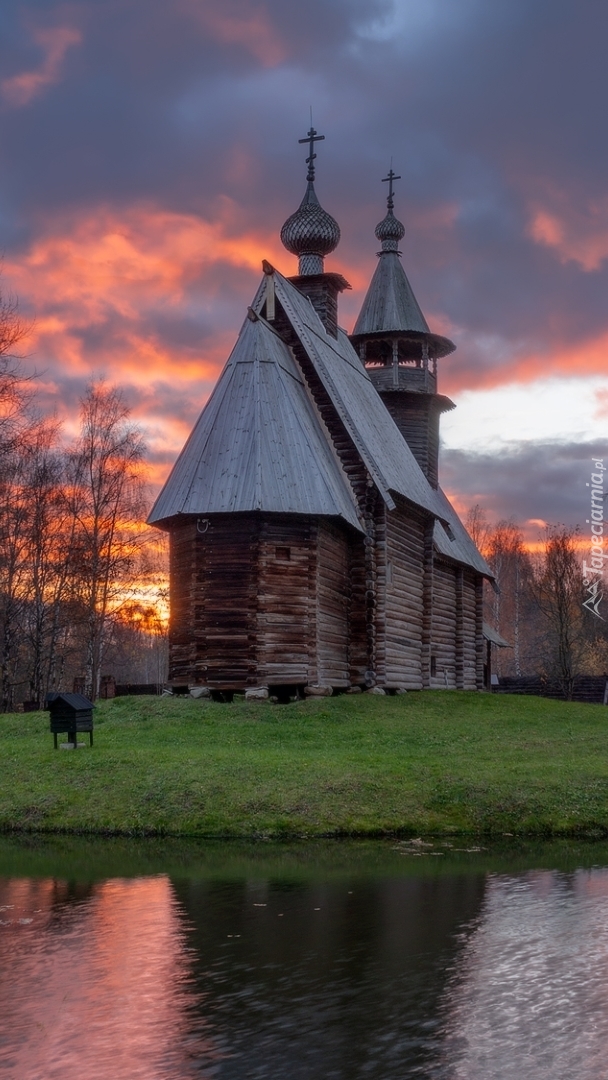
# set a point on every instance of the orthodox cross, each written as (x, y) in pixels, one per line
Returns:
(311, 138)
(389, 180)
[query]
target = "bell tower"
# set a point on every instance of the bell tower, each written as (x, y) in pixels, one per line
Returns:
(399, 351)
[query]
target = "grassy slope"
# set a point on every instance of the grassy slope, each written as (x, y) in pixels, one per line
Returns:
(421, 763)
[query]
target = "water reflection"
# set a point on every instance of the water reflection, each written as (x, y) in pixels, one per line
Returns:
(529, 996)
(95, 981)
(451, 975)
(335, 980)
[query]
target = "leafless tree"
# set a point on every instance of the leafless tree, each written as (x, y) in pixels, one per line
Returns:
(559, 596)
(478, 527)
(15, 430)
(51, 535)
(107, 499)
(508, 605)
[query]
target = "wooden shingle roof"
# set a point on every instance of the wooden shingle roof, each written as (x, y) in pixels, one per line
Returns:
(390, 303)
(259, 443)
(390, 307)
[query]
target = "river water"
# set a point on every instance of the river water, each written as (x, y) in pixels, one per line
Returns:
(127, 960)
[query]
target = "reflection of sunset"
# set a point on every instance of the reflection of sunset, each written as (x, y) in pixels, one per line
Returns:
(532, 974)
(107, 983)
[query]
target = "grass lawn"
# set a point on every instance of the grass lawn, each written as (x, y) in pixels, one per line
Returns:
(425, 763)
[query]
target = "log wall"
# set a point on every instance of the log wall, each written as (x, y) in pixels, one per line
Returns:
(418, 422)
(213, 593)
(332, 606)
(400, 589)
(285, 619)
(443, 647)
(469, 631)
(261, 600)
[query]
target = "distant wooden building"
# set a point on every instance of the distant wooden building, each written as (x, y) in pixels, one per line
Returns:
(310, 542)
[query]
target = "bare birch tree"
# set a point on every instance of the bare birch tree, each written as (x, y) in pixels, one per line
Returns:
(107, 498)
(14, 424)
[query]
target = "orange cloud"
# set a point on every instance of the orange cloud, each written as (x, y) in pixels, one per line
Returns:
(579, 236)
(19, 90)
(101, 262)
(95, 283)
(234, 22)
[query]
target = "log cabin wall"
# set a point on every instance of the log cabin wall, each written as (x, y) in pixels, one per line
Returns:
(378, 588)
(427, 602)
(401, 582)
(323, 295)
(287, 587)
(443, 648)
(469, 627)
(212, 632)
(332, 606)
(260, 600)
(360, 647)
(480, 644)
(418, 421)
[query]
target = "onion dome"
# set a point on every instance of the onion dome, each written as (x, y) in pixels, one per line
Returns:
(311, 233)
(390, 231)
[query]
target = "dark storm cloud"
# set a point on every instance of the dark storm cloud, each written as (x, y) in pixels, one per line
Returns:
(543, 481)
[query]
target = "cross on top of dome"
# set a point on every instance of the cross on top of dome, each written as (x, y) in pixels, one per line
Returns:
(389, 180)
(311, 233)
(311, 139)
(390, 230)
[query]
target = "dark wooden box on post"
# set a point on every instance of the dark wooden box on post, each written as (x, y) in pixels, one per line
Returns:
(70, 713)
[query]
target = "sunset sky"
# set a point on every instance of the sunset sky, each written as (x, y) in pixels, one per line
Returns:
(149, 156)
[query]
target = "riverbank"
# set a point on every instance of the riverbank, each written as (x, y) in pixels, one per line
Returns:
(437, 763)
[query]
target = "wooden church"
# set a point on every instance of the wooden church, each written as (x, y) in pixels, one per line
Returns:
(310, 542)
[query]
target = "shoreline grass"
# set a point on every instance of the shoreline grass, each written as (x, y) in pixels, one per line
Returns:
(433, 763)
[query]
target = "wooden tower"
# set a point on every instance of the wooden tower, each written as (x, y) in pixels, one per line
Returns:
(398, 349)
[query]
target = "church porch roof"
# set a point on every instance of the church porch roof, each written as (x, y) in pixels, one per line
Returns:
(258, 444)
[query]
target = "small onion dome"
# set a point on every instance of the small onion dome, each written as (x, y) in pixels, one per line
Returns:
(310, 233)
(390, 231)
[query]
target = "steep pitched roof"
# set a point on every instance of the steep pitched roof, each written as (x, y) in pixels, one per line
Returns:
(390, 304)
(259, 443)
(462, 548)
(381, 445)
